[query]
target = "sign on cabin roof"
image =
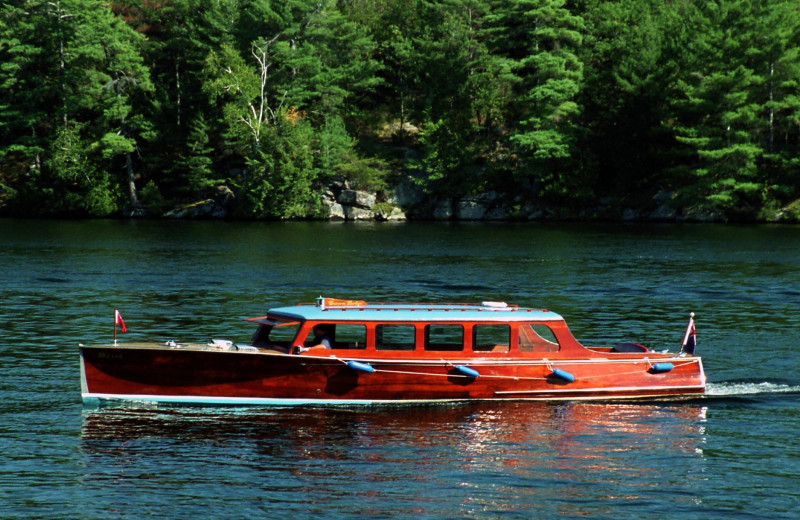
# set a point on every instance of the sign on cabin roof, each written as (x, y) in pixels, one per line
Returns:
(328, 309)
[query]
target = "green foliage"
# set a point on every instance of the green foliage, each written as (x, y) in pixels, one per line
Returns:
(334, 147)
(365, 173)
(726, 107)
(278, 180)
(72, 184)
(627, 52)
(561, 103)
(71, 69)
(194, 167)
(792, 211)
(540, 40)
(151, 197)
(336, 156)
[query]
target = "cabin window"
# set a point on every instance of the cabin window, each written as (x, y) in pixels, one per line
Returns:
(348, 335)
(537, 337)
(444, 337)
(491, 338)
(279, 335)
(394, 337)
(341, 335)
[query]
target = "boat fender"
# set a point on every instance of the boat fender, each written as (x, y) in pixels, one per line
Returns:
(467, 371)
(361, 367)
(660, 368)
(563, 374)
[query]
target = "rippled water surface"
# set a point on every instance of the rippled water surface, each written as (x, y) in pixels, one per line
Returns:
(732, 454)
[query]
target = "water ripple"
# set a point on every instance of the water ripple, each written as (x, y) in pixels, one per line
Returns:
(192, 281)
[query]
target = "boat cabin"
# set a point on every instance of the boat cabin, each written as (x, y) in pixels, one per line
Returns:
(388, 330)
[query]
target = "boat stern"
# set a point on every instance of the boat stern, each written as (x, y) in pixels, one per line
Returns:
(85, 397)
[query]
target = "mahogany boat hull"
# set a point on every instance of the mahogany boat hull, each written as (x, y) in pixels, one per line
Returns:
(202, 376)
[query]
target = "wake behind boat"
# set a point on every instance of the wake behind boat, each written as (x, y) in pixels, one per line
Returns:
(350, 352)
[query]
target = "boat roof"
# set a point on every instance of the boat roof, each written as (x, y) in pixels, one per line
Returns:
(328, 309)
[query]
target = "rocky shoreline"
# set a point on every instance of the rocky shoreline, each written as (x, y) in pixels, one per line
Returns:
(339, 202)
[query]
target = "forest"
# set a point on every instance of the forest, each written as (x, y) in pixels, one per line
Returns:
(581, 107)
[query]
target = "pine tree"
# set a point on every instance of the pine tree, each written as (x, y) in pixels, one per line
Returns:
(774, 55)
(180, 35)
(629, 69)
(540, 40)
(31, 52)
(71, 72)
(455, 99)
(109, 50)
(718, 112)
(193, 171)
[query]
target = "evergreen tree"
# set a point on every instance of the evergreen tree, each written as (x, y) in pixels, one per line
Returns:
(111, 50)
(76, 65)
(718, 113)
(296, 78)
(397, 24)
(540, 39)
(256, 118)
(180, 35)
(73, 184)
(628, 73)
(193, 170)
(465, 89)
(31, 59)
(564, 101)
(774, 55)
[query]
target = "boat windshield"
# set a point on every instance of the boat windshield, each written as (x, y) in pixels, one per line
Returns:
(537, 337)
(275, 333)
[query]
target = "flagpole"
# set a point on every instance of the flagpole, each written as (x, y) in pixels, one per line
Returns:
(115, 327)
(688, 331)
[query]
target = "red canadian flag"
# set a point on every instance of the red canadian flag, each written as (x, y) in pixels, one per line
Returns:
(118, 319)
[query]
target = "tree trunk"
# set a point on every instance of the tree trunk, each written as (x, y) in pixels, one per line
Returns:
(178, 90)
(134, 199)
(771, 146)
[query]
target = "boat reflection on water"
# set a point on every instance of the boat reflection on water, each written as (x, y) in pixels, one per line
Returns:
(590, 437)
(511, 455)
(564, 429)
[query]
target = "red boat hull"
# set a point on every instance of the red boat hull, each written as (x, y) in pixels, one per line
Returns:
(267, 378)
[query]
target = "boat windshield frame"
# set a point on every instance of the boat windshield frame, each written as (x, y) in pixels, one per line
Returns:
(274, 322)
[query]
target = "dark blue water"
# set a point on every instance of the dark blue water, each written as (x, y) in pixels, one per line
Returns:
(733, 454)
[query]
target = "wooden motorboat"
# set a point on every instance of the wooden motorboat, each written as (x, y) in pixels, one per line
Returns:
(350, 352)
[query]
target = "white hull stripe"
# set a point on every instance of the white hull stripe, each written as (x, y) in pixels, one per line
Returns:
(93, 398)
(604, 390)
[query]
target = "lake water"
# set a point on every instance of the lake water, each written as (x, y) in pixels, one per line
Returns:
(733, 454)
